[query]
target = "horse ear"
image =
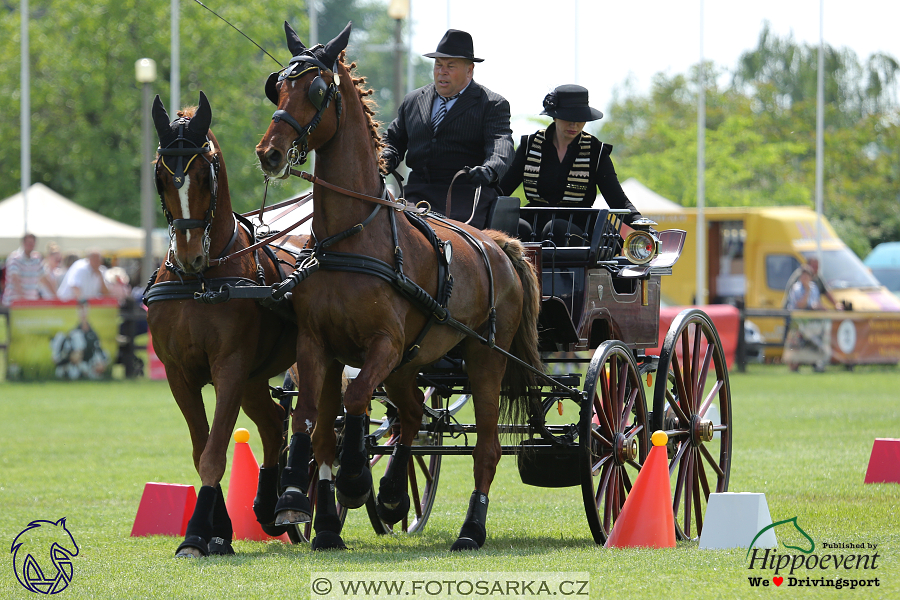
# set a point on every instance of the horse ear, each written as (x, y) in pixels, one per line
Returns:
(334, 47)
(202, 118)
(160, 117)
(293, 40)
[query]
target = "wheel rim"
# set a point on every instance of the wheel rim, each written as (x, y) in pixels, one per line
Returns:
(423, 472)
(613, 435)
(694, 399)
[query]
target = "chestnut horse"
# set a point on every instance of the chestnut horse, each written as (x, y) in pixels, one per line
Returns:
(347, 317)
(237, 346)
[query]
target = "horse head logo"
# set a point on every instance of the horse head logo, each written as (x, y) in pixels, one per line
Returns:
(36, 548)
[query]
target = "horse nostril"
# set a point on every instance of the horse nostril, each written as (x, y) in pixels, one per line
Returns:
(197, 263)
(273, 157)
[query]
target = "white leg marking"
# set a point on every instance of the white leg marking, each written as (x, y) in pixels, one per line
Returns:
(185, 204)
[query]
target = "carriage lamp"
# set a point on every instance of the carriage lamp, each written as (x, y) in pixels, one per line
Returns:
(145, 70)
(641, 247)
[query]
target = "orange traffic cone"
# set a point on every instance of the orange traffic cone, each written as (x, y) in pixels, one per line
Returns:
(646, 519)
(242, 490)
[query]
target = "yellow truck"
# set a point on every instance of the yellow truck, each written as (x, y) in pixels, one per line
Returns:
(751, 254)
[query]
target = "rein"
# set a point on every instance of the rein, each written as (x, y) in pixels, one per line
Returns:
(396, 205)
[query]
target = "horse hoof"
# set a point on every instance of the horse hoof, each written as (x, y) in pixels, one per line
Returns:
(220, 547)
(293, 507)
(328, 540)
(193, 546)
(290, 517)
(273, 530)
(353, 492)
(464, 543)
(392, 512)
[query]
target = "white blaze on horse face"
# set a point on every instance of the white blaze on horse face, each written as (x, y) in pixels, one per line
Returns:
(185, 204)
(325, 472)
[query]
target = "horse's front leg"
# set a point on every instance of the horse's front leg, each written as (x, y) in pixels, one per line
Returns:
(209, 529)
(327, 524)
(353, 483)
(392, 503)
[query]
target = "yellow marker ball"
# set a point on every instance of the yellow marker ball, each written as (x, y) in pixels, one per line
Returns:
(659, 438)
(241, 436)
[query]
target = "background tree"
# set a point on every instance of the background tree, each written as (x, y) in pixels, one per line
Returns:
(761, 138)
(86, 121)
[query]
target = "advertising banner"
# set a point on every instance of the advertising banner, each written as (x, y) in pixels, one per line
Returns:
(62, 340)
(850, 338)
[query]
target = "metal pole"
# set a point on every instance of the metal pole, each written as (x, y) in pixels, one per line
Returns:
(398, 63)
(147, 216)
(575, 57)
(25, 113)
(701, 174)
(820, 133)
(410, 76)
(313, 24)
(175, 92)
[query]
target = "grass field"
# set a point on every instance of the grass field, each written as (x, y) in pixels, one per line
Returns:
(84, 451)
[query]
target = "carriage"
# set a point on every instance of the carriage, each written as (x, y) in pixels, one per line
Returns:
(604, 394)
(374, 289)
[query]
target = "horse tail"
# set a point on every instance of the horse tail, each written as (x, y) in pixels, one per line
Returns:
(521, 385)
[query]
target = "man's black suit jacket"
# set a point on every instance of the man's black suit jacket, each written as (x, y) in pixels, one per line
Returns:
(476, 131)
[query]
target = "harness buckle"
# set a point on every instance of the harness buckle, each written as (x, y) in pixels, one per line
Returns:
(424, 206)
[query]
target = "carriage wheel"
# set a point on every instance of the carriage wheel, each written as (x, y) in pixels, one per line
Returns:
(612, 435)
(692, 404)
(423, 474)
(302, 532)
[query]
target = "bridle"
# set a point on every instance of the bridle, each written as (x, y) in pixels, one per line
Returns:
(320, 95)
(177, 149)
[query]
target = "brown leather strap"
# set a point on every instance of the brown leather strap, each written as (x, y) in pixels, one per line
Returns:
(299, 200)
(218, 261)
(396, 205)
(450, 190)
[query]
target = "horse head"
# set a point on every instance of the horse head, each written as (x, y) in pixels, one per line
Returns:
(303, 91)
(188, 188)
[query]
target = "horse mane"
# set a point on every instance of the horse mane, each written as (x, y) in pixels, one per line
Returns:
(368, 104)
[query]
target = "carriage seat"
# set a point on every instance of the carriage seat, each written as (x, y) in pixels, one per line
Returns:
(571, 236)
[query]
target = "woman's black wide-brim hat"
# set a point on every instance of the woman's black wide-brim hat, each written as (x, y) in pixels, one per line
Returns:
(570, 103)
(455, 44)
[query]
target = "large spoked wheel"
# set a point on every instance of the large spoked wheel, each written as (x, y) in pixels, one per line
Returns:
(612, 435)
(692, 404)
(423, 471)
(302, 533)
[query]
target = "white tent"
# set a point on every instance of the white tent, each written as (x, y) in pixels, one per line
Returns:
(644, 199)
(54, 218)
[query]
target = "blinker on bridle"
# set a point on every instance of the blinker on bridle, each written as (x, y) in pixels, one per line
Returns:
(179, 152)
(320, 95)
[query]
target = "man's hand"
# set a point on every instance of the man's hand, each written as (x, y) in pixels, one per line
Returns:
(481, 175)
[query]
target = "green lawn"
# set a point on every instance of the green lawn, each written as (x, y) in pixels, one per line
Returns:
(84, 451)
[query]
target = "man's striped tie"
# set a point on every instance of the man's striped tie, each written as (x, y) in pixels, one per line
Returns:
(442, 110)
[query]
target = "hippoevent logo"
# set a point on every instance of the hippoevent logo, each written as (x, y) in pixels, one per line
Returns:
(808, 568)
(42, 556)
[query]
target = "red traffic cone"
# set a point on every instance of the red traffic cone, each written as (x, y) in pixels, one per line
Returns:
(165, 509)
(884, 462)
(646, 519)
(242, 490)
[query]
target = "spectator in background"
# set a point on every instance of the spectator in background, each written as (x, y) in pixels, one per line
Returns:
(804, 294)
(53, 268)
(117, 283)
(25, 273)
(84, 279)
(813, 268)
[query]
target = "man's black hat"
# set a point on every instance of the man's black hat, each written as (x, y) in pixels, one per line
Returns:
(455, 44)
(570, 103)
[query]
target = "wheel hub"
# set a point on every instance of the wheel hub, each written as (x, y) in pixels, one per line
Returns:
(626, 450)
(701, 430)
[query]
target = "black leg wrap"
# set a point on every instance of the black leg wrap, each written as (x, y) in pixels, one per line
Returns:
(328, 524)
(393, 498)
(354, 480)
(200, 527)
(265, 501)
(473, 533)
(296, 472)
(221, 525)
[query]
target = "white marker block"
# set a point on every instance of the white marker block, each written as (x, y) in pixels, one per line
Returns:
(733, 519)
